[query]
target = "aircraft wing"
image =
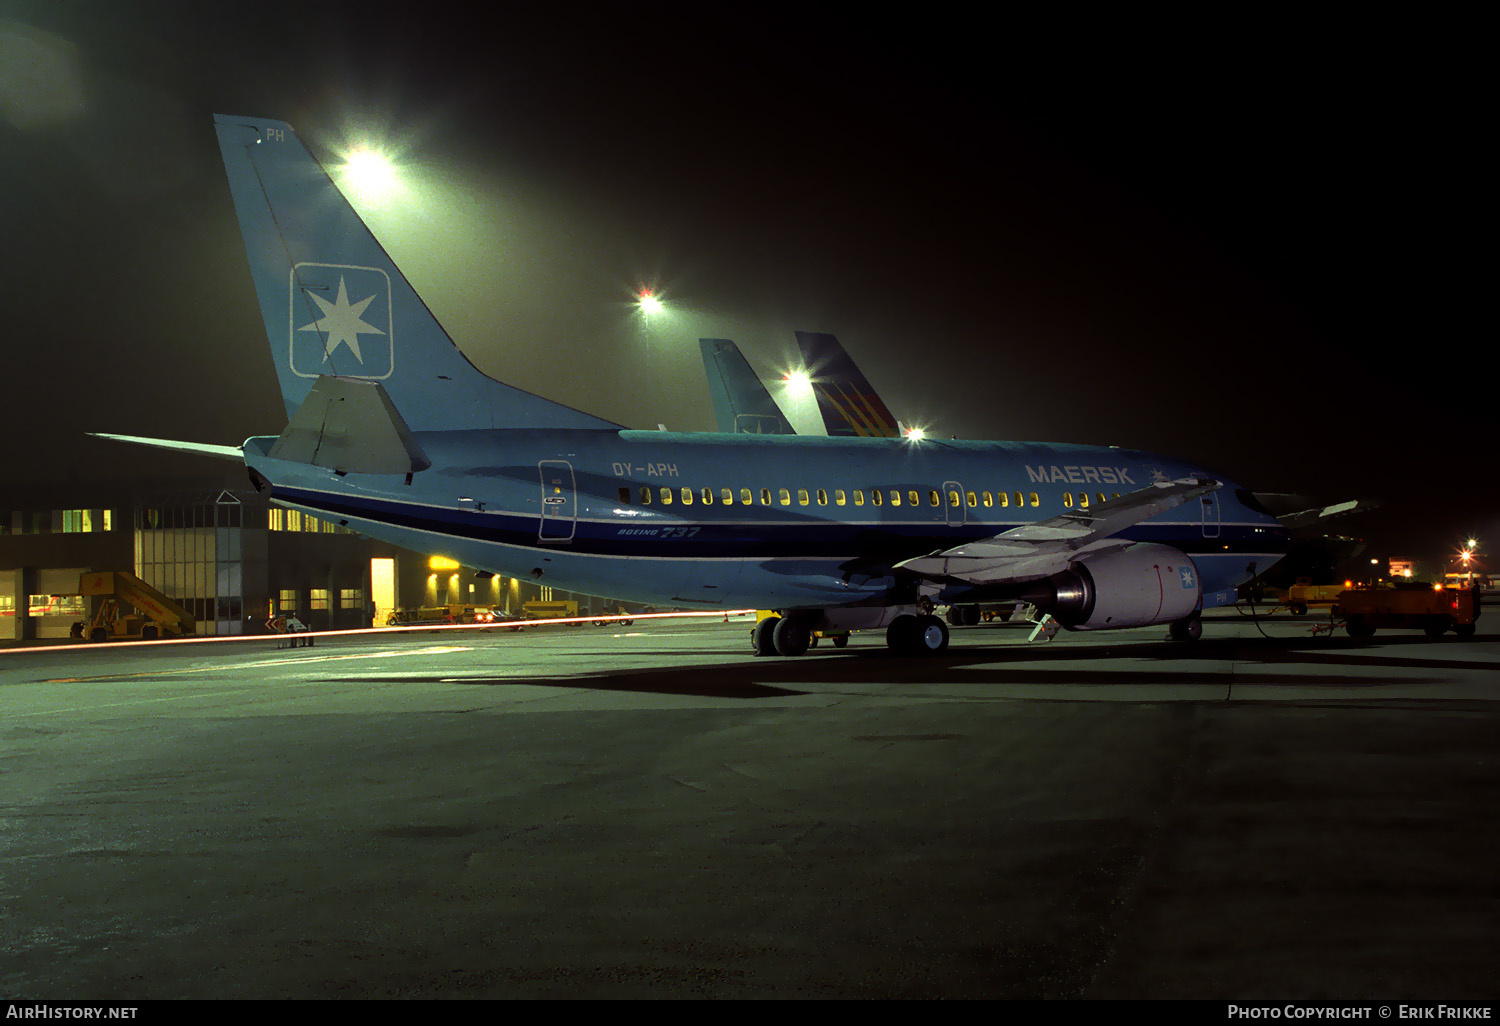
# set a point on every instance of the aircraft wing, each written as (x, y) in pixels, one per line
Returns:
(1306, 518)
(1037, 550)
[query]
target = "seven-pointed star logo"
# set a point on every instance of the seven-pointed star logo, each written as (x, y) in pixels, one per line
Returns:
(342, 321)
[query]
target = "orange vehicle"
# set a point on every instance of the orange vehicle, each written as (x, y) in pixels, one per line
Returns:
(1435, 610)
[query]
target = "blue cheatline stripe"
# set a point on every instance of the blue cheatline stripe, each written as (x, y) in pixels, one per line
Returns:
(802, 538)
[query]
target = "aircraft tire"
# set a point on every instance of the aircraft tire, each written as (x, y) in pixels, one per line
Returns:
(840, 640)
(1187, 629)
(970, 616)
(901, 635)
(793, 636)
(932, 635)
(762, 635)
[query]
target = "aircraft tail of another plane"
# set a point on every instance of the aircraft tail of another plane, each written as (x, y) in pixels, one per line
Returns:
(335, 304)
(845, 399)
(741, 402)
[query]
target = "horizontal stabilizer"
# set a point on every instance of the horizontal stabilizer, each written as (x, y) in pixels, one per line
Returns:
(225, 452)
(349, 425)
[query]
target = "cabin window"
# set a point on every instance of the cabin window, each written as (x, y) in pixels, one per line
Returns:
(989, 500)
(875, 497)
(954, 499)
(822, 496)
(1101, 498)
(859, 496)
(838, 496)
(932, 498)
(785, 496)
(973, 500)
(744, 496)
(687, 496)
(1004, 498)
(1036, 500)
(1020, 499)
(707, 495)
(727, 495)
(666, 496)
(802, 496)
(1068, 499)
(916, 500)
(645, 495)
(765, 496)
(1083, 500)
(895, 497)
(625, 496)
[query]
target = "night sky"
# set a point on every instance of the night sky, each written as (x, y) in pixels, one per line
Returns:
(1257, 245)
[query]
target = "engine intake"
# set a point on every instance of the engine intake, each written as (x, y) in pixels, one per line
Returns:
(1142, 584)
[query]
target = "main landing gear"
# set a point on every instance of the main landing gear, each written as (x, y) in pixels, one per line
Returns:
(792, 635)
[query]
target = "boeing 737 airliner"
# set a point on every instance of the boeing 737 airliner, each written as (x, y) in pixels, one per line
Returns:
(393, 433)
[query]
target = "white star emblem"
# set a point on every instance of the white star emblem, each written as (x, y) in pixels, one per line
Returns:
(342, 321)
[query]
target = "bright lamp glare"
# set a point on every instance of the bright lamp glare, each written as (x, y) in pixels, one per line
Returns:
(370, 174)
(798, 383)
(916, 434)
(649, 303)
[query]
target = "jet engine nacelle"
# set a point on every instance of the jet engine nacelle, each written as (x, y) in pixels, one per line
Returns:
(1136, 586)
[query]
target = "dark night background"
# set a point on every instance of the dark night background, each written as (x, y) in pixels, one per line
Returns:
(1241, 236)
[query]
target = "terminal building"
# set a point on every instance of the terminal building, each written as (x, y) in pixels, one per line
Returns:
(228, 557)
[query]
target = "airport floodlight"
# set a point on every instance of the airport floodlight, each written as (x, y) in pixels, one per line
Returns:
(370, 175)
(649, 302)
(798, 383)
(916, 434)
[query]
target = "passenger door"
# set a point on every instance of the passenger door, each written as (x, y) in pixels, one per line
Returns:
(559, 516)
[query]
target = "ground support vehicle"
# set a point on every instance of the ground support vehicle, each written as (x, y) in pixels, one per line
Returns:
(1434, 610)
(155, 616)
(1304, 594)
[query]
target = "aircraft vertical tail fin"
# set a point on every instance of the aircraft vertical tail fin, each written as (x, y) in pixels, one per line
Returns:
(741, 402)
(845, 399)
(335, 304)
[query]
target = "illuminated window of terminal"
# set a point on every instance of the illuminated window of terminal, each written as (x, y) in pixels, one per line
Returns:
(286, 600)
(318, 598)
(351, 598)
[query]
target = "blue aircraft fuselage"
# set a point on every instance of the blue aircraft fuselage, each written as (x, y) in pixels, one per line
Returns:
(709, 520)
